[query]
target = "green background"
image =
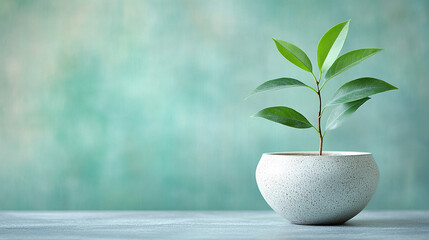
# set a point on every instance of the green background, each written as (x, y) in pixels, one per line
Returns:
(139, 104)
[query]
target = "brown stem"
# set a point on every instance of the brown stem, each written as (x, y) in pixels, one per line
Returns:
(319, 117)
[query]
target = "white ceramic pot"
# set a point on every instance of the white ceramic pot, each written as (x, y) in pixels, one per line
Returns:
(306, 188)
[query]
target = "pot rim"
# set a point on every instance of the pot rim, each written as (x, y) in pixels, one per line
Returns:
(316, 154)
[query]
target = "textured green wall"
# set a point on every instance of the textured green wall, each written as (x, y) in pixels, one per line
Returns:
(139, 104)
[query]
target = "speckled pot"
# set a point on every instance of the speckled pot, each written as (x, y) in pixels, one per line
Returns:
(306, 188)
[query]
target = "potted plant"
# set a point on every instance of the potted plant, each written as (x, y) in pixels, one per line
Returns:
(320, 187)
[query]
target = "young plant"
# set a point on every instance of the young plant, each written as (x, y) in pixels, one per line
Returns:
(346, 100)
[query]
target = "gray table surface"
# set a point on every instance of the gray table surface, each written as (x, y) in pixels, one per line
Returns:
(205, 225)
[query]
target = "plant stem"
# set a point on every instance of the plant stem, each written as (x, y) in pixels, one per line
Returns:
(319, 117)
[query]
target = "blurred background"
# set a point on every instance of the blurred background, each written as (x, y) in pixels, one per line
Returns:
(140, 104)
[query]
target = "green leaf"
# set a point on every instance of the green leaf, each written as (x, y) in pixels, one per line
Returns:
(330, 45)
(284, 115)
(360, 88)
(349, 60)
(278, 83)
(294, 54)
(342, 111)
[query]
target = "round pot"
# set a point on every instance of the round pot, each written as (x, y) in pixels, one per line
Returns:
(306, 188)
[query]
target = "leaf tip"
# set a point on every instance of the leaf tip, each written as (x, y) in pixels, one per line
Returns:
(346, 23)
(393, 87)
